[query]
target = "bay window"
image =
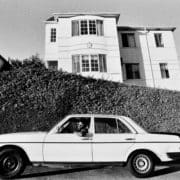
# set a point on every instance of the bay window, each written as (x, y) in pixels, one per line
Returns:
(87, 27)
(89, 63)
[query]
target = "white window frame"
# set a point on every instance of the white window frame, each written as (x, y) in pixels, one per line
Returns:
(158, 38)
(88, 28)
(89, 62)
(53, 35)
(164, 70)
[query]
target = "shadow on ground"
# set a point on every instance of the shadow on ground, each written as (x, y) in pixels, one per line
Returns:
(173, 167)
(58, 172)
(35, 174)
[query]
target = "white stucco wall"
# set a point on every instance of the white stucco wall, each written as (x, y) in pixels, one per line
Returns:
(51, 49)
(68, 45)
(145, 53)
(149, 56)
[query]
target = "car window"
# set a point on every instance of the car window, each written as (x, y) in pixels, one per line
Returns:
(106, 125)
(75, 124)
(110, 126)
(122, 128)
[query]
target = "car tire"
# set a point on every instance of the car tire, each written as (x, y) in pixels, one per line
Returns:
(141, 165)
(11, 163)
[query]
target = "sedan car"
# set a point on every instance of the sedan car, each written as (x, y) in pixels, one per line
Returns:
(90, 139)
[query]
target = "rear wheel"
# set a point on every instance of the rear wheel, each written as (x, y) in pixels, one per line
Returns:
(141, 164)
(11, 163)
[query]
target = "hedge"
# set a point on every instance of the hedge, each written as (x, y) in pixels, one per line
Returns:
(33, 98)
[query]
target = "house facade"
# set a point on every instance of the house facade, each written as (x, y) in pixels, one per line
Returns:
(94, 44)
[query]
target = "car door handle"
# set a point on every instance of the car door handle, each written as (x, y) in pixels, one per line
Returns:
(86, 138)
(130, 139)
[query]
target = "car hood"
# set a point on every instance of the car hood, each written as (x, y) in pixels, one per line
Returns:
(158, 137)
(23, 137)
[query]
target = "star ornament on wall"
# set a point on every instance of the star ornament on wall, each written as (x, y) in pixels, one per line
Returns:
(89, 45)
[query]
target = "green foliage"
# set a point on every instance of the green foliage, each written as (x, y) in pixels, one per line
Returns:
(34, 98)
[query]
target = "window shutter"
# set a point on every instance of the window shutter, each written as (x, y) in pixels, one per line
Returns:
(75, 64)
(100, 28)
(102, 63)
(75, 28)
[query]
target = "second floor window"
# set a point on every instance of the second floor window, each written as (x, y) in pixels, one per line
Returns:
(85, 27)
(53, 35)
(164, 70)
(89, 63)
(158, 40)
(132, 71)
(128, 40)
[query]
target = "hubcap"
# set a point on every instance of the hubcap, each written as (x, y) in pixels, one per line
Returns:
(8, 163)
(142, 163)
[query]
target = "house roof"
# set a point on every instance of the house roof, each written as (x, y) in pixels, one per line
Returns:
(130, 28)
(69, 15)
(55, 16)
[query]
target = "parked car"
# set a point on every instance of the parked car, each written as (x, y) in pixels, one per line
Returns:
(88, 138)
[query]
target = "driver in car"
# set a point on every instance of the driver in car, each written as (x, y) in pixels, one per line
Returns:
(82, 128)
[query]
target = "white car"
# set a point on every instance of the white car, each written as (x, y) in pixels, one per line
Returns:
(88, 138)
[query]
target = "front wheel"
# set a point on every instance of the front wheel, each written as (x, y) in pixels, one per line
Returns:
(141, 165)
(11, 163)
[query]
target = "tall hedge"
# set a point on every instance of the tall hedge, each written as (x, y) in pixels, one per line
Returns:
(33, 98)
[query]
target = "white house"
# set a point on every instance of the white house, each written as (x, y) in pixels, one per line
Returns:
(94, 44)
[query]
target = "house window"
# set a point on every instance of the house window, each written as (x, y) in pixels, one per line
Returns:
(89, 63)
(52, 65)
(85, 27)
(94, 63)
(164, 70)
(158, 40)
(92, 27)
(53, 34)
(132, 71)
(85, 63)
(128, 40)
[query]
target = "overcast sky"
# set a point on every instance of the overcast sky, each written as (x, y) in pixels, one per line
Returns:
(22, 21)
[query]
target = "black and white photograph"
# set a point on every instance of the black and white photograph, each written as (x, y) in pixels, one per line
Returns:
(90, 89)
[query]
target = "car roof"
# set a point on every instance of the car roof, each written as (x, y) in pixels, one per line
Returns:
(97, 115)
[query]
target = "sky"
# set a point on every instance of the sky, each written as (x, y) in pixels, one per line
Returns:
(22, 28)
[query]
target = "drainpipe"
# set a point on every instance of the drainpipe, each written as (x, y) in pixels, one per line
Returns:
(149, 54)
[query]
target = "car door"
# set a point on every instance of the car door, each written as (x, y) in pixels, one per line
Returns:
(111, 140)
(67, 145)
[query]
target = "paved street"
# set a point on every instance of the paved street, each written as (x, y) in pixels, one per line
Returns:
(96, 173)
